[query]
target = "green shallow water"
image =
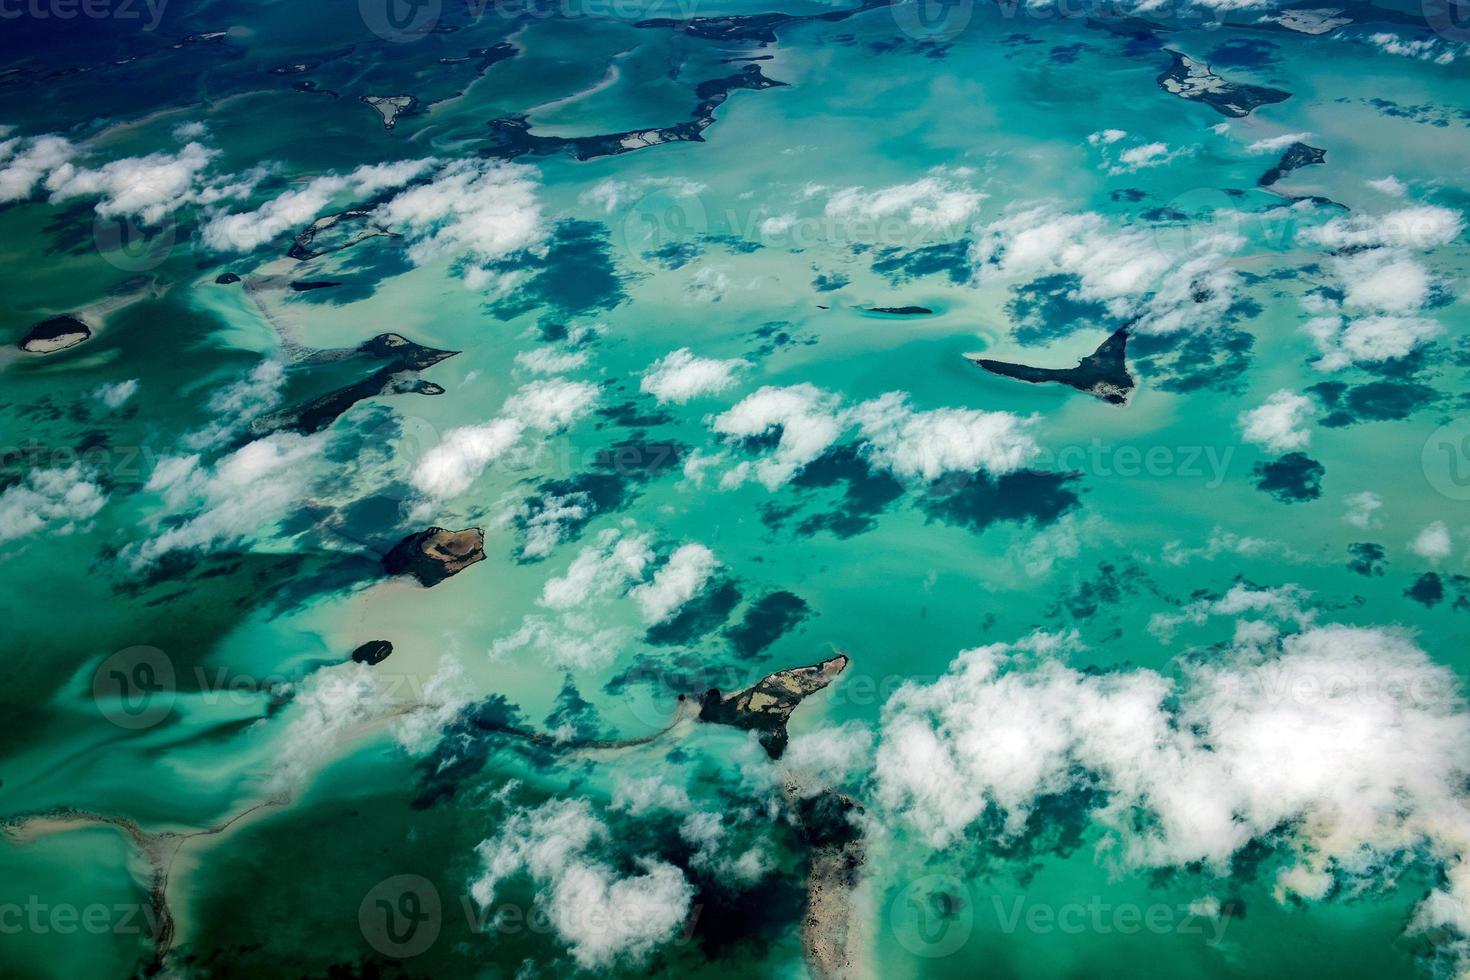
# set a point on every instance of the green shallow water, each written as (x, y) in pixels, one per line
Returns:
(1124, 501)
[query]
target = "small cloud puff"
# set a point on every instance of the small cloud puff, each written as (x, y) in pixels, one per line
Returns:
(680, 376)
(604, 915)
(1280, 424)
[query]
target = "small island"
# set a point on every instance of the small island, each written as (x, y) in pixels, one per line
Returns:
(1297, 156)
(765, 707)
(1190, 79)
(372, 653)
(434, 555)
(390, 107)
(1102, 374)
(57, 333)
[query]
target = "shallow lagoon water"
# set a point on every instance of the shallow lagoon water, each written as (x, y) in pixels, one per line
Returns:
(1113, 525)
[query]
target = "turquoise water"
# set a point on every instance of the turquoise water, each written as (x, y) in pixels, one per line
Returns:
(181, 648)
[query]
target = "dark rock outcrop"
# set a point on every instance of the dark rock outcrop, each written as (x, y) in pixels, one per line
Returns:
(434, 555)
(372, 653)
(765, 707)
(1103, 373)
(1297, 156)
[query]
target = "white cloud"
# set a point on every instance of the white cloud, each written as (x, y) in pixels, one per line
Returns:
(146, 187)
(338, 702)
(243, 495)
(609, 194)
(1421, 226)
(1433, 543)
(293, 210)
(809, 419)
(553, 404)
(1106, 137)
(1389, 185)
(58, 501)
(603, 916)
(1362, 509)
(550, 405)
(826, 758)
(451, 467)
(893, 436)
(24, 163)
(1345, 747)
(1123, 269)
(680, 377)
(116, 394)
(238, 402)
(942, 202)
(1425, 49)
(708, 284)
(1275, 144)
(1280, 424)
(1369, 338)
(1223, 542)
(682, 577)
(473, 211)
(1038, 550)
(608, 567)
(1143, 157)
(550, 360)
(927, 445)
(1383, 281)
(570, 642)
(549, 526)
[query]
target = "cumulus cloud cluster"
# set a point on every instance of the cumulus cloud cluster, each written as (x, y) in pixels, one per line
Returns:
(1349, 748)
(293, 210)
(244, 494)
(941, 201)
(683, 577)
(335, 704)
(1384, 288)
(548, 405)
(681, 377)
(588, 604)
(1124, 269)
(921, 445)
(473, 211)
(58, 500)
(941, 204)
(147, 188)
(1281, 423)
(1141, 156)
(602, 914)
(1420, 49)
